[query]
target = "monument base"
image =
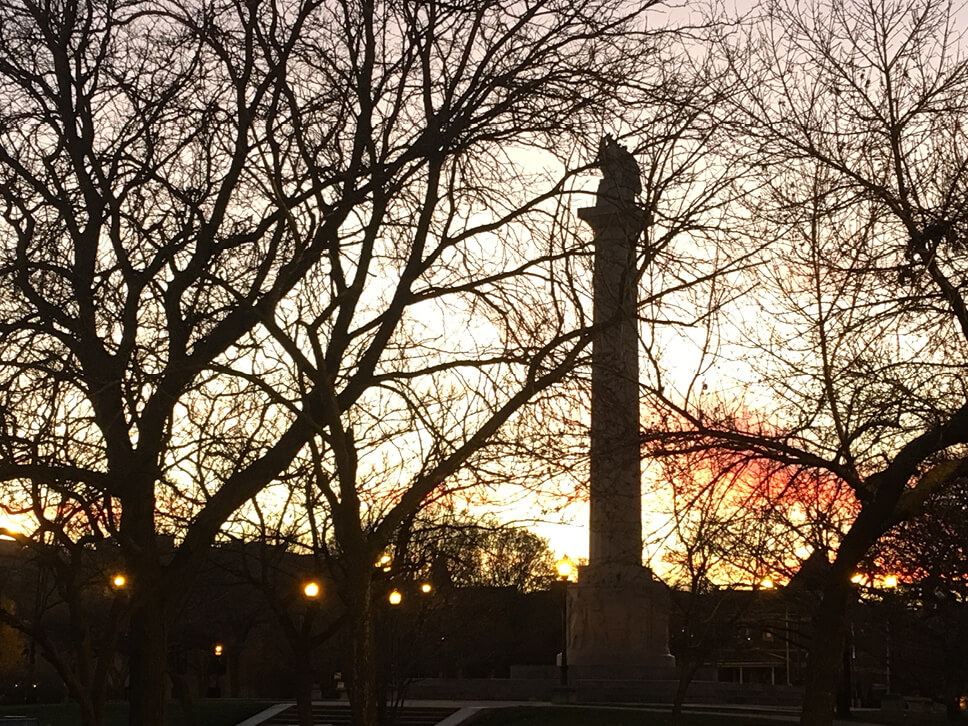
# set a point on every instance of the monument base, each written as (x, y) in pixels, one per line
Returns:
(618, 624)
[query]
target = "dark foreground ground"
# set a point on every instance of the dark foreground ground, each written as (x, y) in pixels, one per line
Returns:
(222, 712)
(228, 712)
(581, 716)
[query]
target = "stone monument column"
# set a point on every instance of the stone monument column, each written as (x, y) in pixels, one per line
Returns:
(617, 611)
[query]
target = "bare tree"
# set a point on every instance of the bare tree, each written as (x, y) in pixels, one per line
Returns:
(852, 337)
(277, 545)
(926, 554)
(736, 525)
(232, 228)
(697, 545)
(64, 593)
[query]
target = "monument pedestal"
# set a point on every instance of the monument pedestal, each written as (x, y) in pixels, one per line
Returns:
(618, 622)
(618, 615)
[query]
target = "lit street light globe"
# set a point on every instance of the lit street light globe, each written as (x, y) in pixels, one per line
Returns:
(563, 566)
(311, 589)
(119, 581)
(426, 588)
(395, 597)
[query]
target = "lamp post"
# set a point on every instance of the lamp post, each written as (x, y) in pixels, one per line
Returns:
(395, 598)
(563, 567)
(303, 652)
(115, 632)
(844, 696)
(890, 582)
(217, 669)
(563, 693)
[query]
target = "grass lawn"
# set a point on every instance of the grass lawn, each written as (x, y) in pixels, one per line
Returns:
(229, 712)
(904, 718)
(216, 712)
(591, 716)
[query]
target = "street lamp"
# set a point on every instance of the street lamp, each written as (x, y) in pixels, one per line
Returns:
(311, 589)
(564, 568)
(119, 581)
(395, 597)
(844, 696)
(890, 582)
(216, 669)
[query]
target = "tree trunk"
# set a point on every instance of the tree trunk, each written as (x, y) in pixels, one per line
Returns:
(148, 640)
(87, 694)
(181, 693)
(99, 708)
(92, 711)
(825, 656)
(304, 688)
(86, 686)
(845, 693)
(686, 673)
(364, 689)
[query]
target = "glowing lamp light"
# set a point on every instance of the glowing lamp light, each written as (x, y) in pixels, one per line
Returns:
(564, 568)
(857, 578)
(426, 588)
(890, 581)
(395, 597)
(218, 649)
(311, 589)
(767, 584)
(119, 581)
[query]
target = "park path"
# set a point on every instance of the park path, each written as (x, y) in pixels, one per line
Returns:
(453, 713)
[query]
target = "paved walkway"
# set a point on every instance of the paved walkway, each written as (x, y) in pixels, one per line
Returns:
(337, 713)
(451, 712)
(460, 711)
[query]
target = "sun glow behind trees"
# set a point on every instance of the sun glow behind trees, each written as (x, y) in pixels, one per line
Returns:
(736, 521)
(854, 114)
(255, 243)
(249, 210)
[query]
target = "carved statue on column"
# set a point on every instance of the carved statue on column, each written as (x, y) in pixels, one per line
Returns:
(621, 177)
